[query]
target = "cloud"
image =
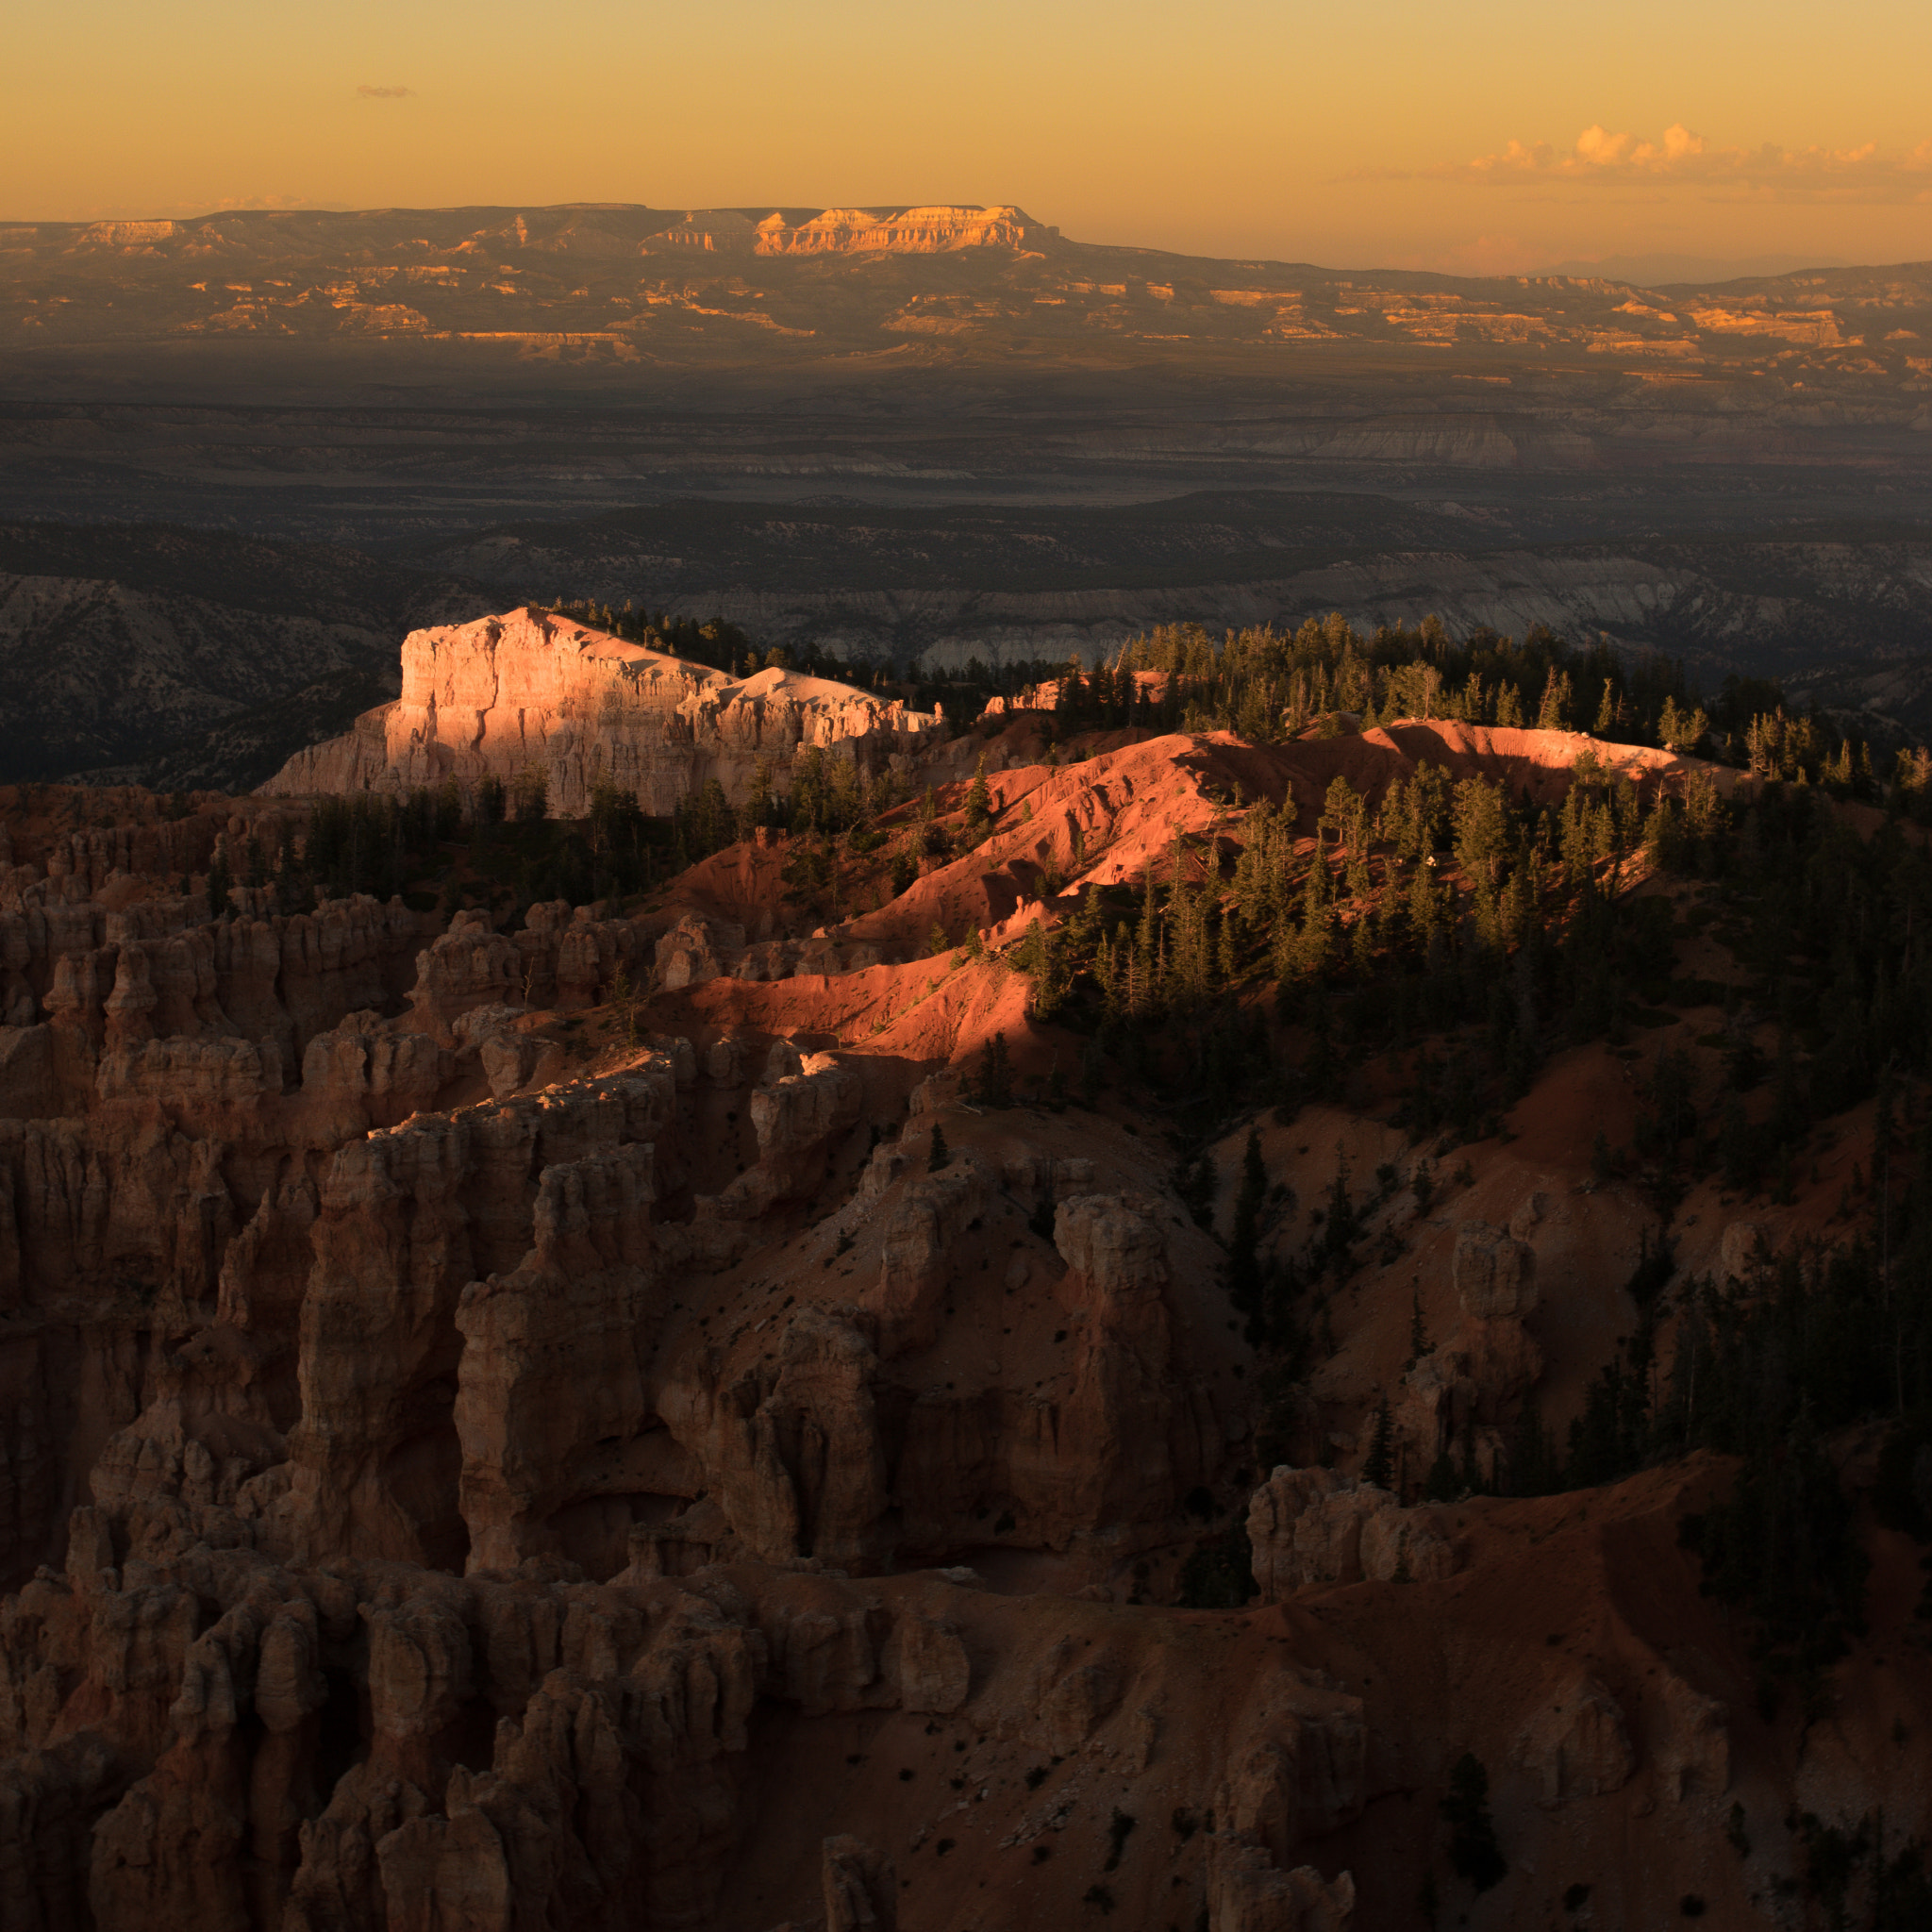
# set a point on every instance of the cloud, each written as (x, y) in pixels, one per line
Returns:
(1682, 159)
(386, 94)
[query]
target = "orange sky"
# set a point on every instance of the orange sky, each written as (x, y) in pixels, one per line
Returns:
(1494, 134)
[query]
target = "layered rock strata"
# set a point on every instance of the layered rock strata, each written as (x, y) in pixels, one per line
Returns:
(531, 695)
(935, 230)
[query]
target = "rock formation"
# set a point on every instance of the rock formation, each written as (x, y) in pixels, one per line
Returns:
(532, 695)
(1311, 1526)
(481, 1450)
(851, 231)
(1488, 1361)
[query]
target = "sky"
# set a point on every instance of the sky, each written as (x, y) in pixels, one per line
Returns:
(1490, 136)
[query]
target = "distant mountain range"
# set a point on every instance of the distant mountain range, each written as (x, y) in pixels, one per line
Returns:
(624, 290)
(1669, 271)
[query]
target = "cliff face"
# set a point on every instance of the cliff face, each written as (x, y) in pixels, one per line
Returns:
(854, 231)
(511, 696)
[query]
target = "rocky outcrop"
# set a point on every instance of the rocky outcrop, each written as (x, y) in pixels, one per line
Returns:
(198, 1735)
(1123, 1408)
(561, 958)
(550, 1384)
(1470, 1381)
(1314, 1526)
(1248, 1893)
(1743, 1251)
(470, 966)
(831, 1443)
(1576, 1746)
(362, 1075)
(230, 1730)
(697, 949)
(1693, 1752)
(796, 1456)
(1494, 1273)
(409, 1219)
(528, 697)
(861, 1890)
(851, 231)
(916, 1253)
(273, 982)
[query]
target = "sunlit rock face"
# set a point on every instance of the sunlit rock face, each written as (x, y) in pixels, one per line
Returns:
(531, 694)
(937, 230)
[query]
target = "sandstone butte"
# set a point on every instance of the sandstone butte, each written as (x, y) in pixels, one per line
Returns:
(478, 1457)
(534, 693)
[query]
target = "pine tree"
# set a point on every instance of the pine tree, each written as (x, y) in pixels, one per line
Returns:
(995, 1073)
(1378, 1466)
(941, 1154)
(531, 801)
(1472, 1848)
(1533, 1470)
(1418, 1335)
(1243, 1248)
(979, 799)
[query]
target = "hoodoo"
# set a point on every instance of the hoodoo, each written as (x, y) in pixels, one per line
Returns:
(1111, 1326)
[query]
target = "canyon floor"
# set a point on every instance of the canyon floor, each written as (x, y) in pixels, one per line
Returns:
(703, 1409)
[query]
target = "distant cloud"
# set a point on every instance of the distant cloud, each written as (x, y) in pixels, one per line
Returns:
(1684, 159)
(386, 94)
